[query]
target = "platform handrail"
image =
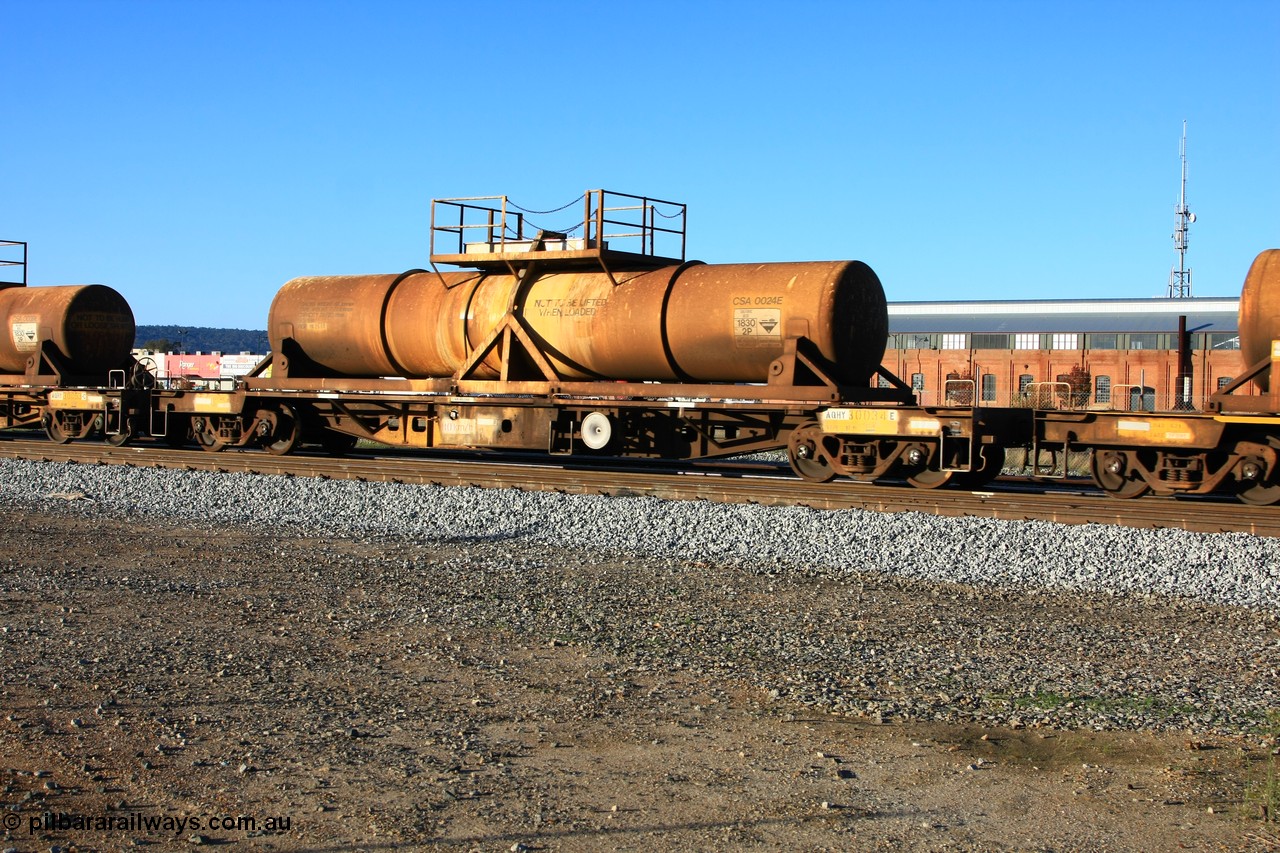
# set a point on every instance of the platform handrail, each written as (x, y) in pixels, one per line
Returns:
(956, 397)
(476, 226)
(1127, 397)
(20, 248)
(1042, 395)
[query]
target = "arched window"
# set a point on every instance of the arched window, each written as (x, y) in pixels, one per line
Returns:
(988, 387)
(1102, 389)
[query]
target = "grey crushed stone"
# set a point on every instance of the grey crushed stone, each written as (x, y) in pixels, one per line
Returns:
(907, 616)
(1232, 569)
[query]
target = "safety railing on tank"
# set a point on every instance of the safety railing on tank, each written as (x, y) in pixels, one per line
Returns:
(482, 229)
(654, 227)
(960, 392)
(13, 253)
(1055, 395)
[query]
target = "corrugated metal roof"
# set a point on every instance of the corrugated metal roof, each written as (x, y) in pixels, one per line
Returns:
(1064, 315)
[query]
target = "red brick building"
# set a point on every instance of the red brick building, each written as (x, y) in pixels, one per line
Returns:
(1110, 353)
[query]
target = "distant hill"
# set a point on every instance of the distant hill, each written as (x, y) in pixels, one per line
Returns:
(201, 339)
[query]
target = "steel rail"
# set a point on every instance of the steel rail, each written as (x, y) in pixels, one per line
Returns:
(1012, 499)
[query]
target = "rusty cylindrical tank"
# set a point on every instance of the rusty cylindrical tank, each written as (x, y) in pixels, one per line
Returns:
(90, 324)
(1260, 311)
(694, 322)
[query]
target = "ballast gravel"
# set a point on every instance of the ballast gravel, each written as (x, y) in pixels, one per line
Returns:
(887, 616)
(1232, 569)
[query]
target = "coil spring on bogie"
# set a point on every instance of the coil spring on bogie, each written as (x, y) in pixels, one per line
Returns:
(1181, 471)
(858, 461)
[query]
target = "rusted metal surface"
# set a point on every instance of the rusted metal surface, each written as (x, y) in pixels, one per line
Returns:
(1260, 312)
(695, 322)
(375, 325)
(91, 326)
(1169, 453)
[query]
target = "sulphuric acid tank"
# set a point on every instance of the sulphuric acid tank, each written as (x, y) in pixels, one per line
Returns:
(1260, 311)
(693, 322)
(91, 326)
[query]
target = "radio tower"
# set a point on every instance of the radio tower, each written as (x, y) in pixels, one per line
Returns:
(1180, 276)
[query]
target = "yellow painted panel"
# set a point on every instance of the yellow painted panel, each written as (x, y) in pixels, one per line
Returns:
(75, 400)
(861, 421)
(1156, 430)
(1246, 419)
(212, 404)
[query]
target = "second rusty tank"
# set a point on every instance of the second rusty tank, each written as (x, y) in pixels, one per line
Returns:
(692, 322)
(90, 325)
(1260, 311)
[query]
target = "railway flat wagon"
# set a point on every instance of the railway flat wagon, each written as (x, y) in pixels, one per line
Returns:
(604, 339)
(1232, 446)
(601, 339)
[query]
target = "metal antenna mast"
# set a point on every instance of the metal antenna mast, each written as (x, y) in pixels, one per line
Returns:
(1180, 276)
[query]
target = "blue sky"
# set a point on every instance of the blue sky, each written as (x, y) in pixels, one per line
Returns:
(196, 155)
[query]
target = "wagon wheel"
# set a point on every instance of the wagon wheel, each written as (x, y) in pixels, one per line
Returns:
(1259, 494)
(337, 443)
(1110, 469)
(804, 452)
(930, 479)
(119, 439)
(287, 433)
(203, 431)
(54, 429)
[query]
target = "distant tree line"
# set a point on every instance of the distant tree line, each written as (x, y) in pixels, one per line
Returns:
(200, 339)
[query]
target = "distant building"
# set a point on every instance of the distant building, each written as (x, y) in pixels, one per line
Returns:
(204, 367)
(1126, 350)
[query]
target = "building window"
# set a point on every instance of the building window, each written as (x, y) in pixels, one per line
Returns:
(1101, 341)
(1069, 340)
(881, 382)
(1224, 381)
(1145, 341)
(914, 341)
(917, 382)
(1142, 399)
(1224, 340)
(990, 341)
(1025, 340)
(1102, 389)
(954, 342)
(1024, 381)
(988, 387)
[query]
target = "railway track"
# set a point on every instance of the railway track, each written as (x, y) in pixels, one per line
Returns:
(1073, 502)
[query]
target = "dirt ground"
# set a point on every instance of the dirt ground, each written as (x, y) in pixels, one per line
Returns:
(175, 686)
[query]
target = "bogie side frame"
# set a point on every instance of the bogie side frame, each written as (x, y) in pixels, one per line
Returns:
(1233, 447)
